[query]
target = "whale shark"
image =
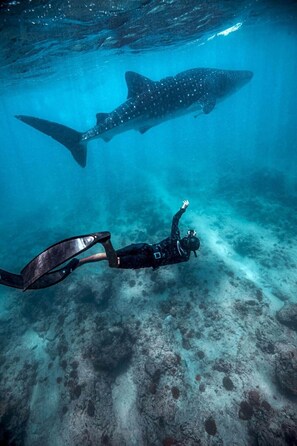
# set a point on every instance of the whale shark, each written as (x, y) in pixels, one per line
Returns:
(148, 104)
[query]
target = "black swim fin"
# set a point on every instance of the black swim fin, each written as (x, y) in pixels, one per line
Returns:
(53, 277)
(49, 279)
(10, 279)
(64, 135)
(39, 272)
(58, 254)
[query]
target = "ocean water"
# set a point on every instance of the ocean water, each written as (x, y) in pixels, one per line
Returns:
(192, 354)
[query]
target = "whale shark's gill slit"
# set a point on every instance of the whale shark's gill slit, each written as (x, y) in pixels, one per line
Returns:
(70, 138)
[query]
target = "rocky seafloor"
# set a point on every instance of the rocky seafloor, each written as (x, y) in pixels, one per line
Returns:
(202, 353)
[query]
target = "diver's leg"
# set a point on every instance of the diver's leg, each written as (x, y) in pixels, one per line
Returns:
(133, 249)
(94, 258)
(109, 254)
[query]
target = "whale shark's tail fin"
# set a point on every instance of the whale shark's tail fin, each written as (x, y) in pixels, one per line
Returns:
(65, 135)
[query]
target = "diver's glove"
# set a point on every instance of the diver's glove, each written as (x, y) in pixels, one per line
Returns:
(185, 204)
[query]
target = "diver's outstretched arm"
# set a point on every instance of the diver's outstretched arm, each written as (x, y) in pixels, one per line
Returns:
(175, 234)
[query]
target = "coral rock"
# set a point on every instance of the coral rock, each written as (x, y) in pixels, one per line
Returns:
(286, 369)
(288, 316)
(245, 411)
(210, 426)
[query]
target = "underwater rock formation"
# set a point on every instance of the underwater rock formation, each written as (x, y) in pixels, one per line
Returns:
(110, 348)
(286, 369)
(270, 427)
(287, 315)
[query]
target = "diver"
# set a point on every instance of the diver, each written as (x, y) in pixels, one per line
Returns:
(38, 273)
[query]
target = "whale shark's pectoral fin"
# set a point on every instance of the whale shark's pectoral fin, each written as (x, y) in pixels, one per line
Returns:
(137, 84)
(144, 129)
(208, 103)
(106, 138)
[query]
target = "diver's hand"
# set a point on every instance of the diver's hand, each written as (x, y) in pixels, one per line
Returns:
(185, 204)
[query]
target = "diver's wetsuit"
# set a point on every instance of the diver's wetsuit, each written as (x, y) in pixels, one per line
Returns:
(166, 252)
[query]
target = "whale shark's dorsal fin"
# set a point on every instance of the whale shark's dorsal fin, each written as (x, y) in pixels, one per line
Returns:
(137, 84)
(100, 117)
